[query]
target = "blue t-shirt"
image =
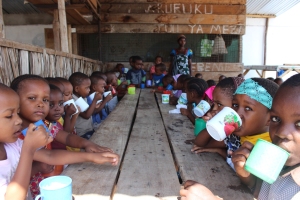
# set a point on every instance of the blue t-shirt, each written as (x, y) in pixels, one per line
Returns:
(96, 117)
(136, 76)
(157, 79)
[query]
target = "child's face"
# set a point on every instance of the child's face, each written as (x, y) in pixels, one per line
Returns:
(181, 42)
(10, 122)
(255, 116)
(34, 101)
(158, 72)
(119, 68)
(68, 91)
(158, 60)
(56, 106)
(99, 87)
(83, 90)
(138, 64)
(221, 100)
(285, 122)
(114, 81)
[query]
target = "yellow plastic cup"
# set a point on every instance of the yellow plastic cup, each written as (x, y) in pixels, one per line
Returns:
(131, 90)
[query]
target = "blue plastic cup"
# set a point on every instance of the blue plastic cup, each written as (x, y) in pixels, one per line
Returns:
(55, 187)
(169, 87)
(142, 85)
(38, 123)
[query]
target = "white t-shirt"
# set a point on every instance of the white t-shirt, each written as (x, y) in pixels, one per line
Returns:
(8, 167)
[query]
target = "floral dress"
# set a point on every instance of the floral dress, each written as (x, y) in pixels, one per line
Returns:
(181, 61)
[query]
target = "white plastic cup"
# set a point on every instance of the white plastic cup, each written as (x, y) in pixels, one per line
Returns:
(223, 124)
(82, 104)
(201, 108)
(55, 187)
(71, 101)
(106, 93)
(182, 99)
(165, 98)
(92, 96)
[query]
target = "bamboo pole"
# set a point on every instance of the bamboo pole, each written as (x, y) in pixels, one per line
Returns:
(2, 35)
(56, 30)
(63, 26)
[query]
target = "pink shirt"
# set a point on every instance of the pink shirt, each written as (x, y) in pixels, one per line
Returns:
(8, 167)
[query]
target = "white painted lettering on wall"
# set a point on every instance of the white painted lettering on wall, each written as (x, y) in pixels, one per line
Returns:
(178, 8)
(211, 67)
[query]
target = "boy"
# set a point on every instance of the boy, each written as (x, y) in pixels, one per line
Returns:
(81, 88)
(160, 70)
(136, 75)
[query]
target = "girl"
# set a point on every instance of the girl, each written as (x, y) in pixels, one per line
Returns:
(195, 91)
(181, 58)
(284, 132)
(16, 155)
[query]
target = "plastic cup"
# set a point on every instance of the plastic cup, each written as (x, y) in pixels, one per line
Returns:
(182, 99)
(142, 85)
(92, 96)
(55, 187)
(165, 98)
(106, 93)
(169, 87)
(149, 83)
(223, 124)
(71, 101)
(200, 124)
(266, 161)
(201, 108)
(38, 123)
(82, 104)
(131, 90)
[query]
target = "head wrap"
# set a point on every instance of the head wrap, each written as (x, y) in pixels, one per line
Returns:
(255, 91)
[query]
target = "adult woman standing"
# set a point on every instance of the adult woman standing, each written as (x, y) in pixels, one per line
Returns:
(181, 58)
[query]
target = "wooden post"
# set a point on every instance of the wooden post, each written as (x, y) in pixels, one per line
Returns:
(74, 44)
(56, 30)
(70, 38)
(63, 26)
(265, 46)
(2, 35)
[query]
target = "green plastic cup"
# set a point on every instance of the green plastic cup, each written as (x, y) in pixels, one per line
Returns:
(266, 161)
(200, 124)
(131, 90)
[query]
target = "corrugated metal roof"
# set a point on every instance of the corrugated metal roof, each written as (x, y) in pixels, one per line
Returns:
(269, 7)
(18, 7)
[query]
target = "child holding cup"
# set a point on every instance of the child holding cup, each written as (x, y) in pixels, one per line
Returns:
(284, 132)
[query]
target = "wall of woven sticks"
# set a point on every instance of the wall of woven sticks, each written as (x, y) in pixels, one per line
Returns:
(18, 59)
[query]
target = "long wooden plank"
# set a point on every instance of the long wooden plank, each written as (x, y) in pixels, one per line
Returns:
(243, 2)
(91, 181)
(77, 16)
(148, 170)
(162, 28)
(207, 168)
(175, 8)
(175, 19)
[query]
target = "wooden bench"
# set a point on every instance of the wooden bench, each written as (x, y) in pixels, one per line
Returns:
(92, 181)
(148, 170)
(209, 169)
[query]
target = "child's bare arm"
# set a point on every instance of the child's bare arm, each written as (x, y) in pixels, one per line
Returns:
(102, 105)
(202, 138)
(69, 111)
(187, 113)
(17, 188)
(195, 191)
(79, 142)
(221, 151)
(62, 157)
(173, 100)
(88, 113)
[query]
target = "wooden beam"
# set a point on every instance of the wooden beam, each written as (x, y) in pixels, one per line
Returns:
(174, 19)
(56, 30)
(74, 43)
(260, 16)
(242, 2)
(54, 6)
(174, 8)
(265, 40)
(78, 17)
(2, 33)
(63, 26)
(70, 38)
(285, 73)
(89, 3)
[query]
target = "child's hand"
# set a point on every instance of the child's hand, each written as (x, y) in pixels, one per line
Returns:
(93, 148)
(69, 109)
(124, 83)
(97, 97)
(239, 158)
(106, 157)
(184, 111)
(195, 191)
(36, 137)
(98, 105)
(107, 98)
(209, 115)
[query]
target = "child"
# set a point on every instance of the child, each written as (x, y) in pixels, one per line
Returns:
(81, 88)
(195, 91)
(15, 170)
(284, 132)
(97, 85)
(198, 75)
(112, 85)
(253, 106)
(211, 82)
(158, 60)
(278, 81)
(136, 75)
(118, 70)
(160, 70)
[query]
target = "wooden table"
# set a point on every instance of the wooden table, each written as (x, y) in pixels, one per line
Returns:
(150, 142)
